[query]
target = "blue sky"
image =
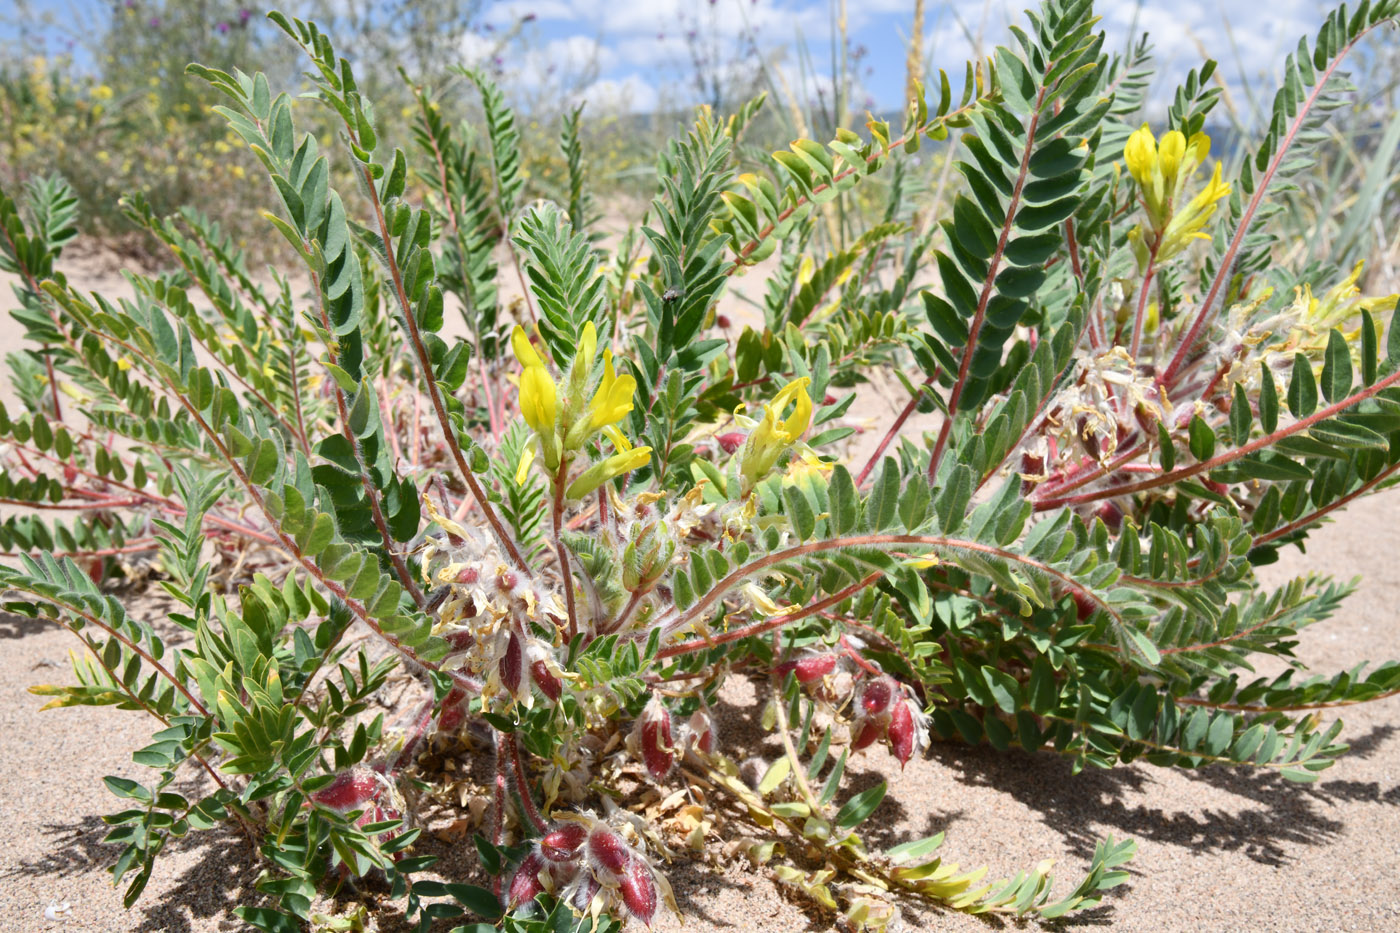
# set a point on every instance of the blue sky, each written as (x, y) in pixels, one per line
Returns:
(636, 54)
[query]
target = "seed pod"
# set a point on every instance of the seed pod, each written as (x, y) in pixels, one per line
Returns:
(875, 696)
(512, 665)
(868, 733)
(730, 442)
(702, 731)
(638, 890)
(723, 321)
(525, 883)
(544, 678)
(814, 667)
(350, 790)
(453, 710)
(608, 852)
(901, 732)
(584, 890)
(658, 751)
(562, 843)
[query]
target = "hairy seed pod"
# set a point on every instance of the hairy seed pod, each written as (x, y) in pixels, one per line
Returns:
(638, 890)
(583, 893)
(350, 790)
(868, 733)
(875, 696)
(562, 843)
(525, 883)
(513, 665)
(730, 442)
(658, 750)
(723, 321)
(453, 710)
(549, 685)
(702, 731)
(608, 852)
(814, 667)
(901, 732)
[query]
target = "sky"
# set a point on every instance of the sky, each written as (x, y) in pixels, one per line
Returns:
(637, 53)
(640, 54)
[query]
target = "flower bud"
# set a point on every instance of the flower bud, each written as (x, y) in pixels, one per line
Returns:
(638, 890)
(562, 843)
(658, 751)
(525, 884)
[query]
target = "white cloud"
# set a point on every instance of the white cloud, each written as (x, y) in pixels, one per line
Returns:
(632, 94)
(559, 62)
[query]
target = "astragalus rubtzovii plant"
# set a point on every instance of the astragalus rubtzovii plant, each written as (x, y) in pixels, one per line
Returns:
(554, 537)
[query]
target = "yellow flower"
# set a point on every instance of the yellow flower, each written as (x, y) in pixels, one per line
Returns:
(767, 442)
(604, 470)
(520, 343)
(1162, 168)
(537, 401)
(527, 457)
(613, 398)
(1186, 223)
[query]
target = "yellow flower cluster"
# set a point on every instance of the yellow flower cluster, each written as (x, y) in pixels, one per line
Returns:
(1162, 169)
(561, 430)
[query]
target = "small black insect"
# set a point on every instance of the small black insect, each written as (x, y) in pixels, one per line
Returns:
(672, 294)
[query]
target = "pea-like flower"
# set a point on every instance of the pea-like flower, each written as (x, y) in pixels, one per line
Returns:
(772, 436)
(613, 399)
(1162, 167)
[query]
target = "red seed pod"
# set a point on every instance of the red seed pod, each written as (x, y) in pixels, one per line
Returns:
(607, 851)
(638, 890)
(730, 442)
(350, 790)
(70, 473)
(468, 574)
(512, 665)
(723, 321)
(814, 667)
(583, 893)
(829, 399)
(525, 884)
(658, 750)
(702, 731)
(1031, 465)
(460, 641)
(549, 685)
(875, 696)
(868, 734)
(453, 710)
(1084, 606)
(562, 843)
(901, 732)
(1111, 515)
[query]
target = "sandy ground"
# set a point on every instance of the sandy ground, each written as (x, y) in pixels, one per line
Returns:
(1219, 849)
